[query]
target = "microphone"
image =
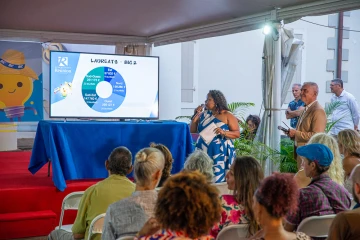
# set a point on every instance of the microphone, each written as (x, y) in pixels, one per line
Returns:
(197, 113)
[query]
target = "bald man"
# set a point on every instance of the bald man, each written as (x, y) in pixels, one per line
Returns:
(346, 224)
(311, 121)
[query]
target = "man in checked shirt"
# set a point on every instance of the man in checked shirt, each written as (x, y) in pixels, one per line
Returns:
(322, 196)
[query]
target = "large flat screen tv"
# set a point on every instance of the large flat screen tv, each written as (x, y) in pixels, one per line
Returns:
(86, 85)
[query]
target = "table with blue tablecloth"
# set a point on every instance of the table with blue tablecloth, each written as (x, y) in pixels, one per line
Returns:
(78, 150)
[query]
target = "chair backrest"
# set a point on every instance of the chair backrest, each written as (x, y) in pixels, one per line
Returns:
(353, 203)
(70, 201)
(222, 187)
(316, 226)
(96, 225)
(126, 238)
(237, 231)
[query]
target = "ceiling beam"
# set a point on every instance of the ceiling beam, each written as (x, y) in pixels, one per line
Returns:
(62, 37)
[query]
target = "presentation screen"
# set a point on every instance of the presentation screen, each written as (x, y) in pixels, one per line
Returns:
(86, 85)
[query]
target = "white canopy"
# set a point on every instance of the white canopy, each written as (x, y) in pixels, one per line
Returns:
(148, 21)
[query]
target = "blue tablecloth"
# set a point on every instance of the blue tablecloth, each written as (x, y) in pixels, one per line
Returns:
(78, 150)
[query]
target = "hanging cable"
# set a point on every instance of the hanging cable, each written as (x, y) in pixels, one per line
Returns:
(349, 30)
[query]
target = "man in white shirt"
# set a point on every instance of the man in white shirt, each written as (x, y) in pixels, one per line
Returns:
(347, 112)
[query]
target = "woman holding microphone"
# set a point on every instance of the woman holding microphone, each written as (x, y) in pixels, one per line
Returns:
(216, 119)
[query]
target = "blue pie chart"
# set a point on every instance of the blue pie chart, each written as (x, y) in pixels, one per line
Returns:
(103, 89)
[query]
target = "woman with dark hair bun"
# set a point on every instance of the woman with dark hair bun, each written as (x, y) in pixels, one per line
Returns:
(276, 197)
(224, 124)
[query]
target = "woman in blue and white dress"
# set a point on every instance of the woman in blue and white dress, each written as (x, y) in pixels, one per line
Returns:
(221, 147)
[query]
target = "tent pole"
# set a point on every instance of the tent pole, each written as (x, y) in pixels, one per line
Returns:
(276, 98)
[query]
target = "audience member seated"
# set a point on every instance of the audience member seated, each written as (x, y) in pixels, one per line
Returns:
(98, 197)
(276, 197)
(349, 144)
(168, 162)
(243, 178)
(199, 160)
(335, 172)
(323, 196)
(126, 217)
(187, 207)
(346, 224)
(253, 123)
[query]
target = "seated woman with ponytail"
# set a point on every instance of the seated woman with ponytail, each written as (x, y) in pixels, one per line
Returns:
(243, 179)
(126, 217)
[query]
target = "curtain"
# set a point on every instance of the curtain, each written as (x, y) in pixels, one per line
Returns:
(290, 51)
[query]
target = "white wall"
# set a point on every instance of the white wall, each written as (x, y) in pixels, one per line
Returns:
(353, 44)
(232, 64)
(315, 52)
(170, 80)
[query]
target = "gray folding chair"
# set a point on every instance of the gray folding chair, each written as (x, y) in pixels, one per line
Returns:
(70, 201)
(316, 226)
(237, 231)
(222, 187)
(96, 225)
(126, 238)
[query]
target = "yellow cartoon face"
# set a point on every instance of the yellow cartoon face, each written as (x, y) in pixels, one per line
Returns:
(15, 90)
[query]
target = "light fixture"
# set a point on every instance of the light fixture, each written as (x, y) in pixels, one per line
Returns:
(267, 29)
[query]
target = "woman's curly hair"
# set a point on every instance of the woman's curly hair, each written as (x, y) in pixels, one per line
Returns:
(220, 100)
(279, 194)
(188, 203)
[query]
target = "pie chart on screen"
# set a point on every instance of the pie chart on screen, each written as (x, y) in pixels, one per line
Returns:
(103, 89)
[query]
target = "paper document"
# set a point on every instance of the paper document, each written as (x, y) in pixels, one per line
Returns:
(208, 133)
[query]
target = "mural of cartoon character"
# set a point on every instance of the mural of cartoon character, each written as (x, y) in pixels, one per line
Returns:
(16, 84)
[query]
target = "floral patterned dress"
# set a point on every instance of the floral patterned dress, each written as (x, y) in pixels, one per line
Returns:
(232, 213)
(168, 234)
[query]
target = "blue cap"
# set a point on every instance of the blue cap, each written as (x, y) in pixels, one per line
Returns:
(316, 152)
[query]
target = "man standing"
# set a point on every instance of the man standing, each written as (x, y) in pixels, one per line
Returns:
(98, 197)
(322, 196)
(347, 114)
(346, 224)
(312, 120)
(296, 106)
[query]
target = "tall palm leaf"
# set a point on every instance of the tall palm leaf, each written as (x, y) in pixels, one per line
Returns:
(239, 108)
(331, 107)
(329, 110)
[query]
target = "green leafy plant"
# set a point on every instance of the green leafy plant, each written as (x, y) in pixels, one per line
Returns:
(329, 110)
(287, 162)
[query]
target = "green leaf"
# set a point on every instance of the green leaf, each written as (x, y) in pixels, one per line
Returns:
(239, 108)
(331, 107)
(180, 117)
(329, 110)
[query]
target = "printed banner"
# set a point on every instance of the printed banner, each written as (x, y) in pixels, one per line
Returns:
(21, 88)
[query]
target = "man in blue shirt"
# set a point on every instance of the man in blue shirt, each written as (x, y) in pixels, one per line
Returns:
(347, 114)
(295, 107)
